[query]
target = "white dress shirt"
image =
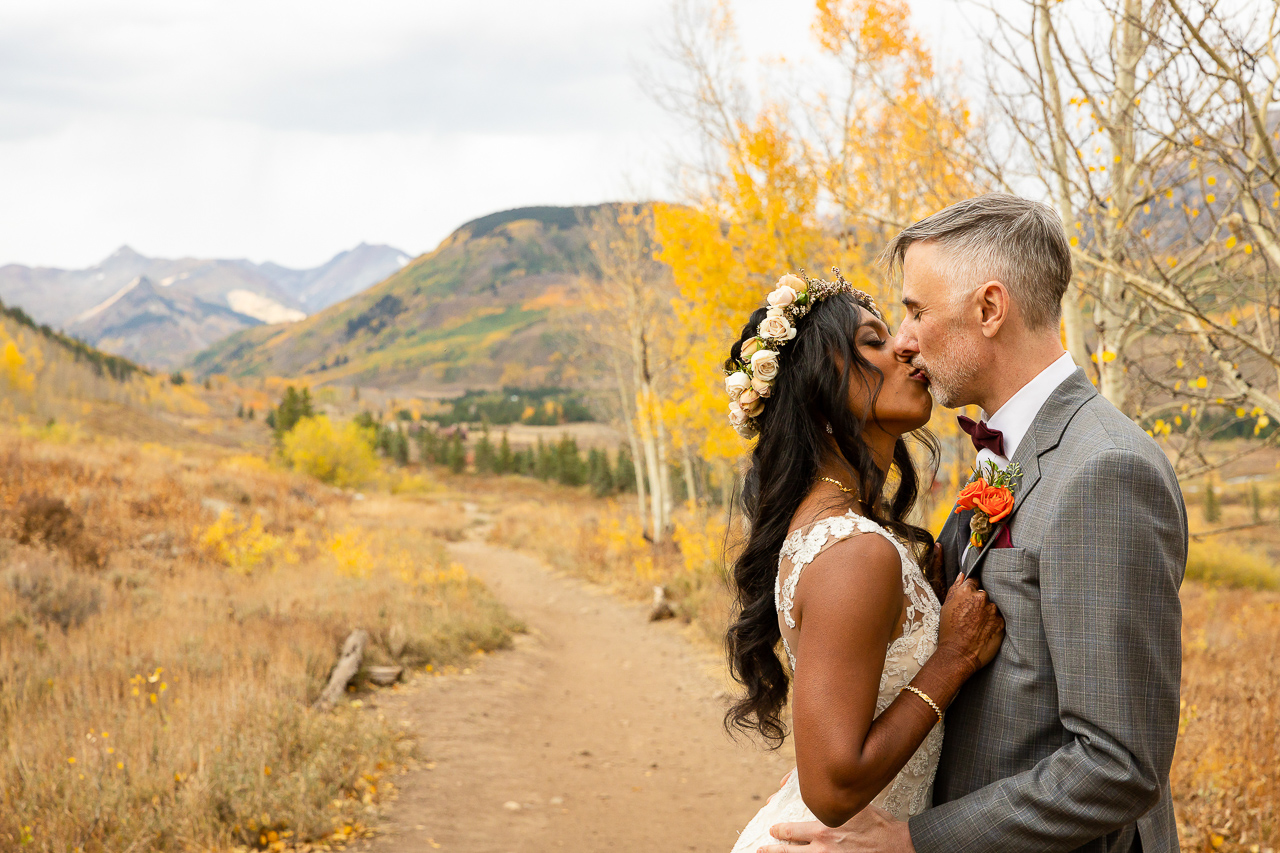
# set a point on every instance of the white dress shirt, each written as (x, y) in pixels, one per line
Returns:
(1015, 417)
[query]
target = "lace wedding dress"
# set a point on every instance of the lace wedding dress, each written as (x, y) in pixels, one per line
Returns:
(912, 789)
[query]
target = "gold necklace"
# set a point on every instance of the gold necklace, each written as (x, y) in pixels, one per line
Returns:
(839, 485)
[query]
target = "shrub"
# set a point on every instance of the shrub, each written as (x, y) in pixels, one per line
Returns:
(340, 456)
(54, 594)
(240, 547)
(1218, 566)
(49, 521)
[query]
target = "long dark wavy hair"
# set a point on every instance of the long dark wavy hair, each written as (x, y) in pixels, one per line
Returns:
(816, 371)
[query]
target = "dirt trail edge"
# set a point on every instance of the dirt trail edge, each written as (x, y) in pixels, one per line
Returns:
(599, 732)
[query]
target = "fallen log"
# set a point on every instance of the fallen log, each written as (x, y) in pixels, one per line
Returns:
(344, 670)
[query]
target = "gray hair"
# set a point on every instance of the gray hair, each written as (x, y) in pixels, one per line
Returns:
(1000, 237)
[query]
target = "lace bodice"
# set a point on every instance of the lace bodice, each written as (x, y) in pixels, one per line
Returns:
(911, 791)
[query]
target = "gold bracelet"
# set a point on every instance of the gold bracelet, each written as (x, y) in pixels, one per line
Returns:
(925, 697)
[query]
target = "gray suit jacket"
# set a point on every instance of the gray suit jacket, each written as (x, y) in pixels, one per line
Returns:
(1064, 742)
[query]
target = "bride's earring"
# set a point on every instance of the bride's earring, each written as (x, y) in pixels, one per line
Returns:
(830, 431)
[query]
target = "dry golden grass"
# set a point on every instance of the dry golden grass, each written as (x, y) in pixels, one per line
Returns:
(601, 541)
(156, 677)
(1226, 773)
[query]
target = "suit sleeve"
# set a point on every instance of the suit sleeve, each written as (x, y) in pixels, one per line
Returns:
(1110, 568)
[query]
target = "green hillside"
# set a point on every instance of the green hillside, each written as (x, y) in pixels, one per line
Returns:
(473, 313)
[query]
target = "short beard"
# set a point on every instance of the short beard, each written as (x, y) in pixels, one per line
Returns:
(951, 376)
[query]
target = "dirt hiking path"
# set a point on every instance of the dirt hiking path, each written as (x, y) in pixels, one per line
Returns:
(599, 732)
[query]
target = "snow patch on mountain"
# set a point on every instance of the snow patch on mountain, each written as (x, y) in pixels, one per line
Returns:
(260, 307)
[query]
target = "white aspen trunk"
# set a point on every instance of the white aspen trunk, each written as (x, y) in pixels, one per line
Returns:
(649, 441)
(664, 469)
(627, 402)
(1115, 302)
(690, 482)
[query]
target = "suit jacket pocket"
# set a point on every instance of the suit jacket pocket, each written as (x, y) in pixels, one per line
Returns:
(1005, 560)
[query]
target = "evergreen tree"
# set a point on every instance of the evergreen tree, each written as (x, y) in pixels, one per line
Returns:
(598, 473)
(570, 469)
(1212, 508)
(544, 462)
(293, 408)
(486, 460)
(457, 454)
(400, 447)
(624, 473)
(427, 442)
(240, 411)
(252, 413)
(505, 463)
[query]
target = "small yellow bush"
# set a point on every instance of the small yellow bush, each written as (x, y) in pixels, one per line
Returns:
(341, 456)
(240, 547)
(1218, 566)
(351, 551)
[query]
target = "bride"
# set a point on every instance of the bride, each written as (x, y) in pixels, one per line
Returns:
(833, 569)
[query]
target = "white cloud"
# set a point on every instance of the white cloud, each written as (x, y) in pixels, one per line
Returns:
(290, 130)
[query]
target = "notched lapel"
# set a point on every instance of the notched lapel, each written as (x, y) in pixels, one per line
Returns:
(1051, 421)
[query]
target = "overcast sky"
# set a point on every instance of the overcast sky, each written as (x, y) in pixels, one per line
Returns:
(289, 131)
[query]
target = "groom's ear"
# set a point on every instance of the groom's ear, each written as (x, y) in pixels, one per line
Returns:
(995, 306)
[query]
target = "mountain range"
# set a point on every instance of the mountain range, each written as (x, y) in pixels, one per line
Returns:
(159, 312)
(473, 313)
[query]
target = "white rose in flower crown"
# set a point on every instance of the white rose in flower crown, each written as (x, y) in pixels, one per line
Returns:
(746, 430)
(764, 365)
(782, 296)
(795, 282)
(750, 347)
(777, 328)
(750, 402)
(737, 417)
(736, 383)
(774, 312)
(761, 387)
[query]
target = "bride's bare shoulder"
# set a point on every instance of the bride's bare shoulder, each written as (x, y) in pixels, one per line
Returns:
(864, 561)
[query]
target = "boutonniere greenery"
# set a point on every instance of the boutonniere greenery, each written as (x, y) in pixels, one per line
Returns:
(990, 496)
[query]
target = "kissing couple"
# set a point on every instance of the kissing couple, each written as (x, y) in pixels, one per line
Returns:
(1042, 629)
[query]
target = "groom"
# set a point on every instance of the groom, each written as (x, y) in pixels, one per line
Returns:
(1064, 742)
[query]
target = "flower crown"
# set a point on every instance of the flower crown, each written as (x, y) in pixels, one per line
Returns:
(751, 380)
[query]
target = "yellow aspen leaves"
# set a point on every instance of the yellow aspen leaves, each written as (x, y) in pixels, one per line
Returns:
(14, 370)
(1202, 382)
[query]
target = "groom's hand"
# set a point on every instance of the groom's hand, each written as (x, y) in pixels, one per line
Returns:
(871, 830)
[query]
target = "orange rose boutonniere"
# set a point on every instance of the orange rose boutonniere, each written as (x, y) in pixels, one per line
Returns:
(991, 498)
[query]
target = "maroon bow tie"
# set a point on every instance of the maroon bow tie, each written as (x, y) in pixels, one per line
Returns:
(983, 435)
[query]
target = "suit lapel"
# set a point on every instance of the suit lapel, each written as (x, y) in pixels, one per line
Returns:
(954, 535)
(1045, 433)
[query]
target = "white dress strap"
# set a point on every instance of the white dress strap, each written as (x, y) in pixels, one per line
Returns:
(804, 544)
